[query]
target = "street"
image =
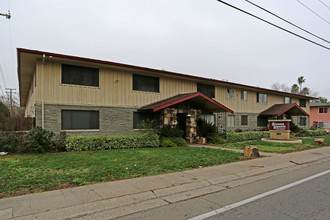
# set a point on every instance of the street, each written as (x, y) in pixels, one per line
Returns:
(309, 200)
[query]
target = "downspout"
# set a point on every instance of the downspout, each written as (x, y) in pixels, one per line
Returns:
(42, 93)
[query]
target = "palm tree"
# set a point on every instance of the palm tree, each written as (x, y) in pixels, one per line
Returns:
(295, 89)
(301, 80)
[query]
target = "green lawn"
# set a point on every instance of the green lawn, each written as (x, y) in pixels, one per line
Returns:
(308, 143)
(27, 173)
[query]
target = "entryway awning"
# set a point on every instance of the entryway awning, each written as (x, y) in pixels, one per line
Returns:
(290, 109)
(196, 98)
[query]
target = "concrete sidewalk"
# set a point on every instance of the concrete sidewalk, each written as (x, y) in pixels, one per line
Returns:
(120, 198)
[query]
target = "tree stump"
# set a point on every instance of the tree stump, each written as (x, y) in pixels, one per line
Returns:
(251, 152)
(319, 142)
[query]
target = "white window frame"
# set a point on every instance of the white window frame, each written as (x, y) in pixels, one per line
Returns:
(230, 93)
(244, 95)
(231, 121)
(323, 122)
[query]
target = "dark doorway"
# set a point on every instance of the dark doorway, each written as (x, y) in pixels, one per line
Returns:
(182, 122)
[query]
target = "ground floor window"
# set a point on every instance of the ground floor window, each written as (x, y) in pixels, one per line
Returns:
(79, 119)
(323, 124)
(262, 121)
(231, 121)
(302, 121)
(210, 118)
(138, 117)
(244, 120)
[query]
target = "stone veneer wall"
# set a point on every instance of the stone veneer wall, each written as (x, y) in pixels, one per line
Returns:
(113, 120)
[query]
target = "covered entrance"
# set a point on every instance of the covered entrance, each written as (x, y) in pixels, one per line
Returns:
(183, 110)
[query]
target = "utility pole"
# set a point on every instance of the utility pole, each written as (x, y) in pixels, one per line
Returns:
(10, 93)
(8, 16)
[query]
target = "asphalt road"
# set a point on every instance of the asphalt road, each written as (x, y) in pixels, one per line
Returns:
(309, 200)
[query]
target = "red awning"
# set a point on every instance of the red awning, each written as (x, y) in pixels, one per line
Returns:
(279, 109)
(196, 98)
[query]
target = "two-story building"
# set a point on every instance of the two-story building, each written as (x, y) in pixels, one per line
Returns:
(320, 115)
(88, 96)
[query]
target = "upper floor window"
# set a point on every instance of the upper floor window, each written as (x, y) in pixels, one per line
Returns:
(244, 95)
(230, 93)
(287, 100)
(302, 102)
(80, 75)
(80, 120)
(261, 98)
(323, 110)
(207, 90)
(145, 83)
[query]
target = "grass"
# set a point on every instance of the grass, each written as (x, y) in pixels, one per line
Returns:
(27, 173)
(307, 143)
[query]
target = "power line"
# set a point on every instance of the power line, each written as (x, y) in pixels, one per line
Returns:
(283, 29)
(313, 11)
(324, 4)
(287, 21)
(3, 77)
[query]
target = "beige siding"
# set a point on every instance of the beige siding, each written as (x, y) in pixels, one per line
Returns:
(115, 89)
(30, 106)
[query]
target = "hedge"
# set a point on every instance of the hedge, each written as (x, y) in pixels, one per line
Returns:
(102, 142)
(245, 136)
(306, 133)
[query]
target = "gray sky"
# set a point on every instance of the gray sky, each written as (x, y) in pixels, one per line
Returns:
(203, 38)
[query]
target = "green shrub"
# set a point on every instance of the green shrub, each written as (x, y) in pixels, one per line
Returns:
(59, 142)
(215, 138)
(169, 131)
(4, 111)
(99, 142)
(245, 136)
(179, 141)
(167, 142)
(39, 140)
(308, 133)
(204, 128)
(9, 142)
(294, 128)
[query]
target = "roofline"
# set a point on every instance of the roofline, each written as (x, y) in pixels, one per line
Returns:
(22, 50)
(190, 97)
(293, 105)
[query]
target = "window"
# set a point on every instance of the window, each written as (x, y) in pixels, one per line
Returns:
(145, 83)
(231, 121)
(79, 75)
(323, 124)
(302, 121)
(287, 100)
(138, 117)
(302, 102)
(244, 120)
(210, 118)
(230, 93)
(262, 121)
(207, 90)
(323, 110)
(244, 95)
(261, 98)
(80, 120)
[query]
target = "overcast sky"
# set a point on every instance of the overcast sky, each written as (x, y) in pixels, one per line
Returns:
(203, 38)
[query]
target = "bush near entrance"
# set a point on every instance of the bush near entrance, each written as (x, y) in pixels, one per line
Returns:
(245, 136)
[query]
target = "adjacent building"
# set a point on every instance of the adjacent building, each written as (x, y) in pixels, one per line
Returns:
(320, 115)
(87, 96)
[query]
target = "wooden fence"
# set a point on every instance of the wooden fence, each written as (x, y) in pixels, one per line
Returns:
(18, 123)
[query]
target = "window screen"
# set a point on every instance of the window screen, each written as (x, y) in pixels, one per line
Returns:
(231, 121)
(244, 120)
(287, 100)
(230, 93)
(145, 83)
(80, 120)
(261, 98)
(79, 75)
(207, 90)
(244, 95)
(323, 124)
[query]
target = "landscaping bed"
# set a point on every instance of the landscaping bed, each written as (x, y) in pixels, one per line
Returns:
(28, 173)
(307, 143)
